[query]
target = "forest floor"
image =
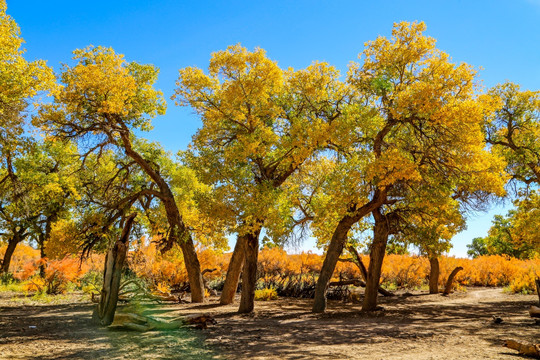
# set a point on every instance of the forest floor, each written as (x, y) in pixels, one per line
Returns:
(419, 326)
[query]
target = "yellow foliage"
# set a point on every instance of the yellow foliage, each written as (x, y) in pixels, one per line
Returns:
(266, 294)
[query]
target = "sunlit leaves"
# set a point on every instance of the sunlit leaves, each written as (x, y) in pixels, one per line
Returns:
(101, 93)
(260, 124)
(20, 81)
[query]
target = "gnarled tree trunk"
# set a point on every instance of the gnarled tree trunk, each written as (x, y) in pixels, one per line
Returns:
(12, 244)
(381, 231)
(433, 275)
(233, 272)
(112, 275)
(335, 248)
(450, 281)
(537, 282)
(178, 233)
(193, 267)
(249, 275)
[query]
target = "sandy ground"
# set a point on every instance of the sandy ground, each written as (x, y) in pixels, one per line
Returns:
(410, 327)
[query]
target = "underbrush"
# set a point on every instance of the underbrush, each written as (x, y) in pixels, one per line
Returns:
(290, 275)
(266, 294)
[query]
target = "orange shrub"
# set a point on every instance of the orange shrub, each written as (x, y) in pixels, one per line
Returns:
(22, 255)
(148, 263)
(57, 274)
(279, 269)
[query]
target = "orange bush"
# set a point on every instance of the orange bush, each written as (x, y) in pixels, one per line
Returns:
(276, 266)
(148, 263)
(57, 274)
(23, 255)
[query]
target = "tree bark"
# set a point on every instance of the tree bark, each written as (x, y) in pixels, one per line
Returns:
(12, 244)
(335, 248)
(112, 275)
(249, 275)
(537, 282)
(358, 261)
(381, 231)
(178, 233)
(233, 272)
(434, 275)
(193, 267)
(41, 244)
(534, 311)
(450, 280)
(43, 238)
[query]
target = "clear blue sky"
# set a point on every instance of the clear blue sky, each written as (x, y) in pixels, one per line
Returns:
(502, 37)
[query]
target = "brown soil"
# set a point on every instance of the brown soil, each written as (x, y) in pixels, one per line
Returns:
(420, 326)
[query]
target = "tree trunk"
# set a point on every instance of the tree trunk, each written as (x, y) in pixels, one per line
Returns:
(43, 238)
(381, 232)
(434, 275)
(335, 248)
(233, 272)
(249, 275)
(450, 280)
(112, 275)
(537, 282)
(193, 267)
(41, 245)
(12, 244)
(358, 261)
(179, 233)
(534, 311)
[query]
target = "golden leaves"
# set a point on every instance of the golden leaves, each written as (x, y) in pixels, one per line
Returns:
(20, 80)
(392, 167)
(103, 89)
(102, 78)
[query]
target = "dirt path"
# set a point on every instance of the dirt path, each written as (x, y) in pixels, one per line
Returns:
(416, 327)
(65, 331)
(410, 327)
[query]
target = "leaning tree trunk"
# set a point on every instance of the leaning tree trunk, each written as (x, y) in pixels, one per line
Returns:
(335, 248)
(249, 275)
(450, 281)
(112, 274)
(12, 244)
(233, 272)
(537, 282)
(434, 275)
(381, 232)
(179, 231)
(193, 267)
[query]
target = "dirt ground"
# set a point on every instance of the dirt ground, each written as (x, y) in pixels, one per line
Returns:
(416, 327)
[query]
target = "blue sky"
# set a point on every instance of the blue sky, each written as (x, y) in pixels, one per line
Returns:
(502, 37)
